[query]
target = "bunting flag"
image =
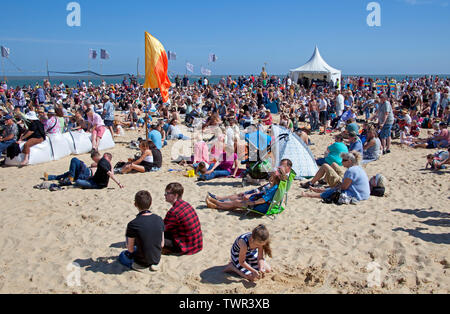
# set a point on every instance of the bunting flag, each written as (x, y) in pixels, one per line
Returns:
(5, 52)
(206, 72)
(92, 54)
(190, 67)
(212, 57)
(104, 54)
(156, 66)
(172, 55)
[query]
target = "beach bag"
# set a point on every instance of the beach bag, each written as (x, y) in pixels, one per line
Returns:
(426, 124)
(119, 165)
(333, 199)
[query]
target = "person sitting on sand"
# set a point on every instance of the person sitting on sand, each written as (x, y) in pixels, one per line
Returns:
(332, 175)
(101, 178)
(372, 146)
(182, 233)
(174, 132)
(150, 160)
(144, 237)
(334, 151)
(354, 142)
(259, 202)
(77, 170)
(441, 140)
(248, 252)
(355, 183)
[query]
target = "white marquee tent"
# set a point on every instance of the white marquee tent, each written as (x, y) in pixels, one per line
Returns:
(316, 68)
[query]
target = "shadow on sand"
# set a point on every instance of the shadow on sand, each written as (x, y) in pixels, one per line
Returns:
(105, 265)
(216, 276)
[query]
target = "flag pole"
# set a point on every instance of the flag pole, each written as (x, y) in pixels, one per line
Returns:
(138, 68)
(48, 74)
(3, 71)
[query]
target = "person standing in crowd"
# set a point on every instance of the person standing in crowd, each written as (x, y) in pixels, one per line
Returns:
(108, 113)
(385, 122)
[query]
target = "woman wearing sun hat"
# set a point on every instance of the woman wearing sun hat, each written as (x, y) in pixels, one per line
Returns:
(51, 124)
(34, 136)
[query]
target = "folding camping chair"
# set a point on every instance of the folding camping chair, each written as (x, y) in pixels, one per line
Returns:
(276, 207)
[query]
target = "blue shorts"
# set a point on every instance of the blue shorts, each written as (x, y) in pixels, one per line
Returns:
(386, 131)
(109, 123)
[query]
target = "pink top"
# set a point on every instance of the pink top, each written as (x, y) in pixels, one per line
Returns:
(444, 135)
(96, 120)
(226, 163)
(201, 152)
(51, 126)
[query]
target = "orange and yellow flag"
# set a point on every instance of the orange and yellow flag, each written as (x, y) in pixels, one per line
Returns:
(156, 66)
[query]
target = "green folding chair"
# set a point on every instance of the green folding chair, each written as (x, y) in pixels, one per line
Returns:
(291, 179)
(281, 195)
(276, 206)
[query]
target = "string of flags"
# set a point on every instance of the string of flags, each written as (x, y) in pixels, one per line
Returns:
(104, 55)
(172, 55)
(5, 52)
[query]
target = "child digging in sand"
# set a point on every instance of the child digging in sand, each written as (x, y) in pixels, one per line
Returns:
(145, 237)
(247, 254)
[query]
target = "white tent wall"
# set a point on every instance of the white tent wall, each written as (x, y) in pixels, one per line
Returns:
(288, 145)
(316, 68)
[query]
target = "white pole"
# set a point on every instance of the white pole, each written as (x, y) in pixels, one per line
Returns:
(3, 71)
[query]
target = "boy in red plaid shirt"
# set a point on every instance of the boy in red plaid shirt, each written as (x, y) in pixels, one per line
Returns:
(183, 233)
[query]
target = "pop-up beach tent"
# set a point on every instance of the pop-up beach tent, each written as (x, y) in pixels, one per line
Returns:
(288, 145)
(316, 68)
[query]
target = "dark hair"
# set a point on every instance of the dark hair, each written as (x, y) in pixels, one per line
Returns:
(175, 188)
(288, 162)
(143, 200)
(95, 154)
(261, 234)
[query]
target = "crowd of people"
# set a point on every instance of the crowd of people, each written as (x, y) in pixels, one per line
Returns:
(364, 116)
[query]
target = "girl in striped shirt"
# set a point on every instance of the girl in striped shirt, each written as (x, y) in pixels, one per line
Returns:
(247, 254)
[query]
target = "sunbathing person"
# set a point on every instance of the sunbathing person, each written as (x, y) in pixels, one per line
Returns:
(259, 202)
(285, 168)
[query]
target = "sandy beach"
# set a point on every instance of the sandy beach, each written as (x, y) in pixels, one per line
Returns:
(402, 238)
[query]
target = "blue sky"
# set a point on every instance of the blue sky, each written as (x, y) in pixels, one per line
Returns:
(413, 37)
